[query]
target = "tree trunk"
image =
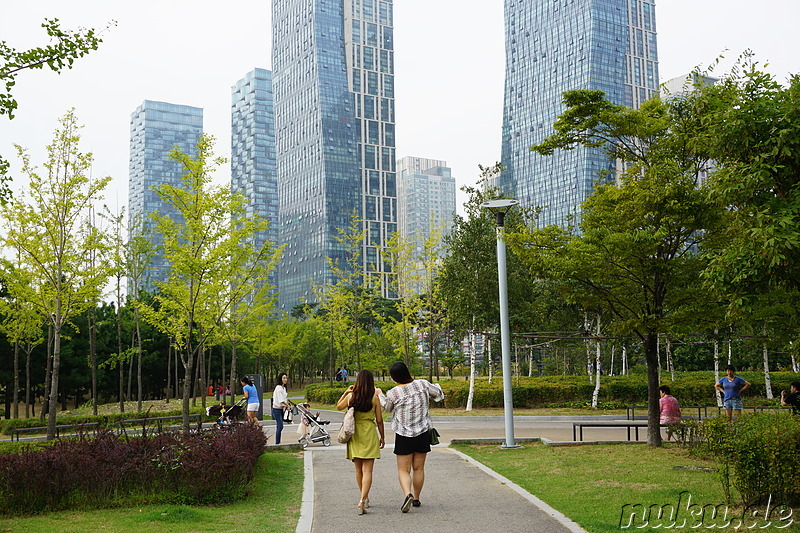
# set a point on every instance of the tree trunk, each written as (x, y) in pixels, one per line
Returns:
(624, 359)
(717, 393)
(233, 370)
(596, 393)
(15, 395)
(92, 318)
(767, 376)
(119, 354)
(53, 399)
(653, 406)
(28, 351)
(471, 394)
(670, 362)
(488, 355)
(48, 373)
(138, 362)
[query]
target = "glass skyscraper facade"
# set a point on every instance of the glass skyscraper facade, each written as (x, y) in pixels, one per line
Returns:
(156, 129)
(557, 46)
(253, 170)
(333, 77)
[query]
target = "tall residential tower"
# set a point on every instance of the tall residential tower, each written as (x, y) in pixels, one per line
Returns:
(553, 46)
(156, 129)
(333, 78)
(426, 195)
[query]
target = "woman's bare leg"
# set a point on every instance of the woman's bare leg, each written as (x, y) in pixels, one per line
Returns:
(404, 472)
(418, 465)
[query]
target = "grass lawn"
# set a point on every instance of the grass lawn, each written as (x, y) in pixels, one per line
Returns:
(591, 484)
(273, 506)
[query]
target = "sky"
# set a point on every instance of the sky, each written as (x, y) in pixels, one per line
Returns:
(449, 65)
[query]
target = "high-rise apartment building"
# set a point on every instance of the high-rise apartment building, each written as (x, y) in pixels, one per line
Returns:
(426, 197)
(557, 46)
(253, 149)
(156, 129)
(333, 76)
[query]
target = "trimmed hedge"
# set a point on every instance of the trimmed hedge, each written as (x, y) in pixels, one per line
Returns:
(104, 421)
(690, 388)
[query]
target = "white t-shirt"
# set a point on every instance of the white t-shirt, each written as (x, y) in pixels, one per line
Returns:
(279, 397)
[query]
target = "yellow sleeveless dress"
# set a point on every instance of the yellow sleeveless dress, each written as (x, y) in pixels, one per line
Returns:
(364, 444)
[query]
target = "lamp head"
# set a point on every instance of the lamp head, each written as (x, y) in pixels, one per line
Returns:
(500, 207)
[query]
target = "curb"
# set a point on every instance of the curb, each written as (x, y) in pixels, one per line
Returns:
(556, 515)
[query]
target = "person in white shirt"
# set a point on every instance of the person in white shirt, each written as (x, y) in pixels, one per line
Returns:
(280, 402)
(409, 402)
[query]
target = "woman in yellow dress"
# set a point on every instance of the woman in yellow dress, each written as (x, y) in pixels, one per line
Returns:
(364, 446)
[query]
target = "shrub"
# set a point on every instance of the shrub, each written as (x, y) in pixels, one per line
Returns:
(759, 453)
(109, 470)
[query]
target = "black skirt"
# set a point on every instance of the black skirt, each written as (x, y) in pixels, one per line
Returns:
(408, 445)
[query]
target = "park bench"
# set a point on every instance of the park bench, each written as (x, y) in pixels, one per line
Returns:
(755, 408)
(158, 423)
(577, 427)
(702, 411)
(60, 429)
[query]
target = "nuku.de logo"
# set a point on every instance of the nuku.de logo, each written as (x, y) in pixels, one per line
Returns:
(687, 515)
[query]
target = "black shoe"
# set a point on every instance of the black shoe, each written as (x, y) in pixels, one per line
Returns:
(416, 503)
(407, 503)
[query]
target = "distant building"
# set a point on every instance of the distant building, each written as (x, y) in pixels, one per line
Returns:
(684, 84)
(253, 170)
(426, 196)
(333, 75)
(557, 46)
(156, 129)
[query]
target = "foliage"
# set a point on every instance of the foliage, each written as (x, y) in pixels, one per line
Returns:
(750, 124)
(468, 282)
(635, 256)
(68, 46)
(760, 453)
(49, 228)
(109, 469)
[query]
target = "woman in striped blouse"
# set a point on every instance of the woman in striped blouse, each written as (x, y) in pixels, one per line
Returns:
(409, 402)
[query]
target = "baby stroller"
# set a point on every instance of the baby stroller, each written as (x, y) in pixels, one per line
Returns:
(310, 427)
(227, 416)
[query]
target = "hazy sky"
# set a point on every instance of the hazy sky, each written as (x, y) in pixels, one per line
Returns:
(449, 62)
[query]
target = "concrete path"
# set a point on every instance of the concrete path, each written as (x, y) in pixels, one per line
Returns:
(457, 497)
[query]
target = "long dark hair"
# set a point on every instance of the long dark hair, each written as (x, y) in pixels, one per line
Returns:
(280, 379)
(363, 392)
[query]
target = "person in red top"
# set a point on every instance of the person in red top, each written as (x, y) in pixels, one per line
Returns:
(670, 408)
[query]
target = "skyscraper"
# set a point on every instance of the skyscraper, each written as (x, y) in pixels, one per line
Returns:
(333, 78)
(156, 128)
(253, 149)
(426, 196)
(557, 46)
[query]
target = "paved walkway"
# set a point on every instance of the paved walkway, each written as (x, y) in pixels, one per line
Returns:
(460, 495)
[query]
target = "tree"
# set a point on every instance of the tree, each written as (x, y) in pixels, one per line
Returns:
(750, 123)
(49, 226)
(635, 255)
(60, 55)
(210, 245)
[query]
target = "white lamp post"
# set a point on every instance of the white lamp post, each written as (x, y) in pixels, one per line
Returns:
(500, 208)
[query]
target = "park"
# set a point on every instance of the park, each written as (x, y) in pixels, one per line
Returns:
(683, 264)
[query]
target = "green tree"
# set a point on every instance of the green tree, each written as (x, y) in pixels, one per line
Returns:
(635, 255)
(49, 226)
(210, 245)
(67, 46)
(751, 125)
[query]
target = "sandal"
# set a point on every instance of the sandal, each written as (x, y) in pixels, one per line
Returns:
(366, 503)
(407, 503)
(361, 507)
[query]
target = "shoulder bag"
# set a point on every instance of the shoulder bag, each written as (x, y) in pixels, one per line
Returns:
(348, 426)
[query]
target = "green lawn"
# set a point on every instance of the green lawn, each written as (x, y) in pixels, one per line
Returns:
(273, 506)
(590, 484)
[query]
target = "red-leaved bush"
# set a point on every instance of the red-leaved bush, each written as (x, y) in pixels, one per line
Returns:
(109, 470)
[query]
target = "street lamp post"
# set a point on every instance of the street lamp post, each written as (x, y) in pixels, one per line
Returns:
(500, 208)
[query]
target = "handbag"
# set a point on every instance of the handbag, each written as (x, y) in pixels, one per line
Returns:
(434, 436)
(348, 426)
(287, 416)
